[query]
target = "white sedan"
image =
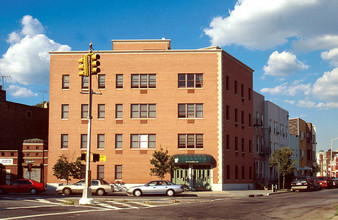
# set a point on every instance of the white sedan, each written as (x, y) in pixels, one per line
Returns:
(156, 187)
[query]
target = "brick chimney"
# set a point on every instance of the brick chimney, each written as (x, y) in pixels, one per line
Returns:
(2, 95)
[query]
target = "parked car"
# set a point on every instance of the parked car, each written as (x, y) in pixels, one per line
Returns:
(317, 184)
(156, 187)
(335, 182)
(303, 183)
(23, 186)
(325, 182)
(99, 187)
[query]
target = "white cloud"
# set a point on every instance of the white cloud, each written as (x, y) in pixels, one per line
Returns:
(326, 87)
(263, 24)
(292, 102)
(291, 90)
(17, 91)
(306, 104)
(27, 58)
(331, 56)
(283, 64)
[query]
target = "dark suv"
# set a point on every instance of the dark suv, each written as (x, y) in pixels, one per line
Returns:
(303, 183)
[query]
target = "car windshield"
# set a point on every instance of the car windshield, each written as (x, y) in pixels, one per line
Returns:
(321, 179)
(104, 182)
(300, 179)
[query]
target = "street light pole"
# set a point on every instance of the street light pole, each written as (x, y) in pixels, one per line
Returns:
(331, 162)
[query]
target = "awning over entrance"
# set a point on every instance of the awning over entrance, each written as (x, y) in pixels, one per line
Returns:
(194, 158)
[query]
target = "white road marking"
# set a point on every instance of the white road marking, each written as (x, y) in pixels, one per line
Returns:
(26, 207)
(123, 204)
(107, 206)
(144, 204)
(52, 214)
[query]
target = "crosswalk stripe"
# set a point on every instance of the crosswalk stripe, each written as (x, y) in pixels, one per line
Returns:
(123, 204)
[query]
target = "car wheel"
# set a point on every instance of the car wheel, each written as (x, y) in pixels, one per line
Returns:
(100, 192)
(170, 192)
(67, 191)
(137, 192)
(33, 191)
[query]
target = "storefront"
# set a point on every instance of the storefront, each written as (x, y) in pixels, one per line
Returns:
(194, 171)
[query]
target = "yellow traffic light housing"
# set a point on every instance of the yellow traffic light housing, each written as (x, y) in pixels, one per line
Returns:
(83, 66)
(95, 63)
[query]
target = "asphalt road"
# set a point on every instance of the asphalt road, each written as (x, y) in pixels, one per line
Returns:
(297, 205)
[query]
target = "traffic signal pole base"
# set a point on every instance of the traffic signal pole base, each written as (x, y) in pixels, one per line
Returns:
(86, 197)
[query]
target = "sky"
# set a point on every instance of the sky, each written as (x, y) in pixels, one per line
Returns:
(292, 45)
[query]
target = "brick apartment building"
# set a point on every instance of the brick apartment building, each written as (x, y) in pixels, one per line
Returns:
(18, 122)
(197, 104)
(306, 134)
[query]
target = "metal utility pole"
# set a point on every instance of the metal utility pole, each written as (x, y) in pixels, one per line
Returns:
(88, 66)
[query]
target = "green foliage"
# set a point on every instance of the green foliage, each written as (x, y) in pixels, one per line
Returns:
(63, 169)
(163, 163)
(281, 159)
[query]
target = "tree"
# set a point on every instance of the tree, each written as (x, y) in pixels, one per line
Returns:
(63, 169)
(281, 159)
(163, 163)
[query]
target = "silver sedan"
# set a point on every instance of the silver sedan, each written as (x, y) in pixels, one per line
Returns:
(156, 187)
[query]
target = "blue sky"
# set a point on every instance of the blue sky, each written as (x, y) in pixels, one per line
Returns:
(291, 44)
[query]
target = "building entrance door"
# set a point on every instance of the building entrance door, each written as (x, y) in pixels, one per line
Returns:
(201, 177)
(181, 176)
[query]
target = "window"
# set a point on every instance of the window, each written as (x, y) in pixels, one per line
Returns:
(243, 173)
(236, 172)
(101, 81)
(235, 85)
(242, 90)
(143, 110)
(119, 111)
(64, 111)
(143, 141)
(190, 80)
(190, 141)
(118, 172)
(250, 173)
(83, 141)
(250, 150)
(64, 141)
(100, 141)
(250, 120)
(227, 114)
(227, 83)
(228, 172)
(249, 94)
(228, 142)
(119, 81)
(65, 81)
(118, 141)
(190, 110)
(143, 80)
(100, 172)
(236, 115)
(84, 111)
(84, 82)
(101, 111)
(236, 144)
(242, 117)
(243, 151)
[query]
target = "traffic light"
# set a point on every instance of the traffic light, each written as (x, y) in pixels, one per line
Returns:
(95, 63)
(96, 157)
(83, 66)
(83, 156)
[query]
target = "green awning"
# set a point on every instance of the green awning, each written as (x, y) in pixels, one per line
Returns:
(194, 158)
